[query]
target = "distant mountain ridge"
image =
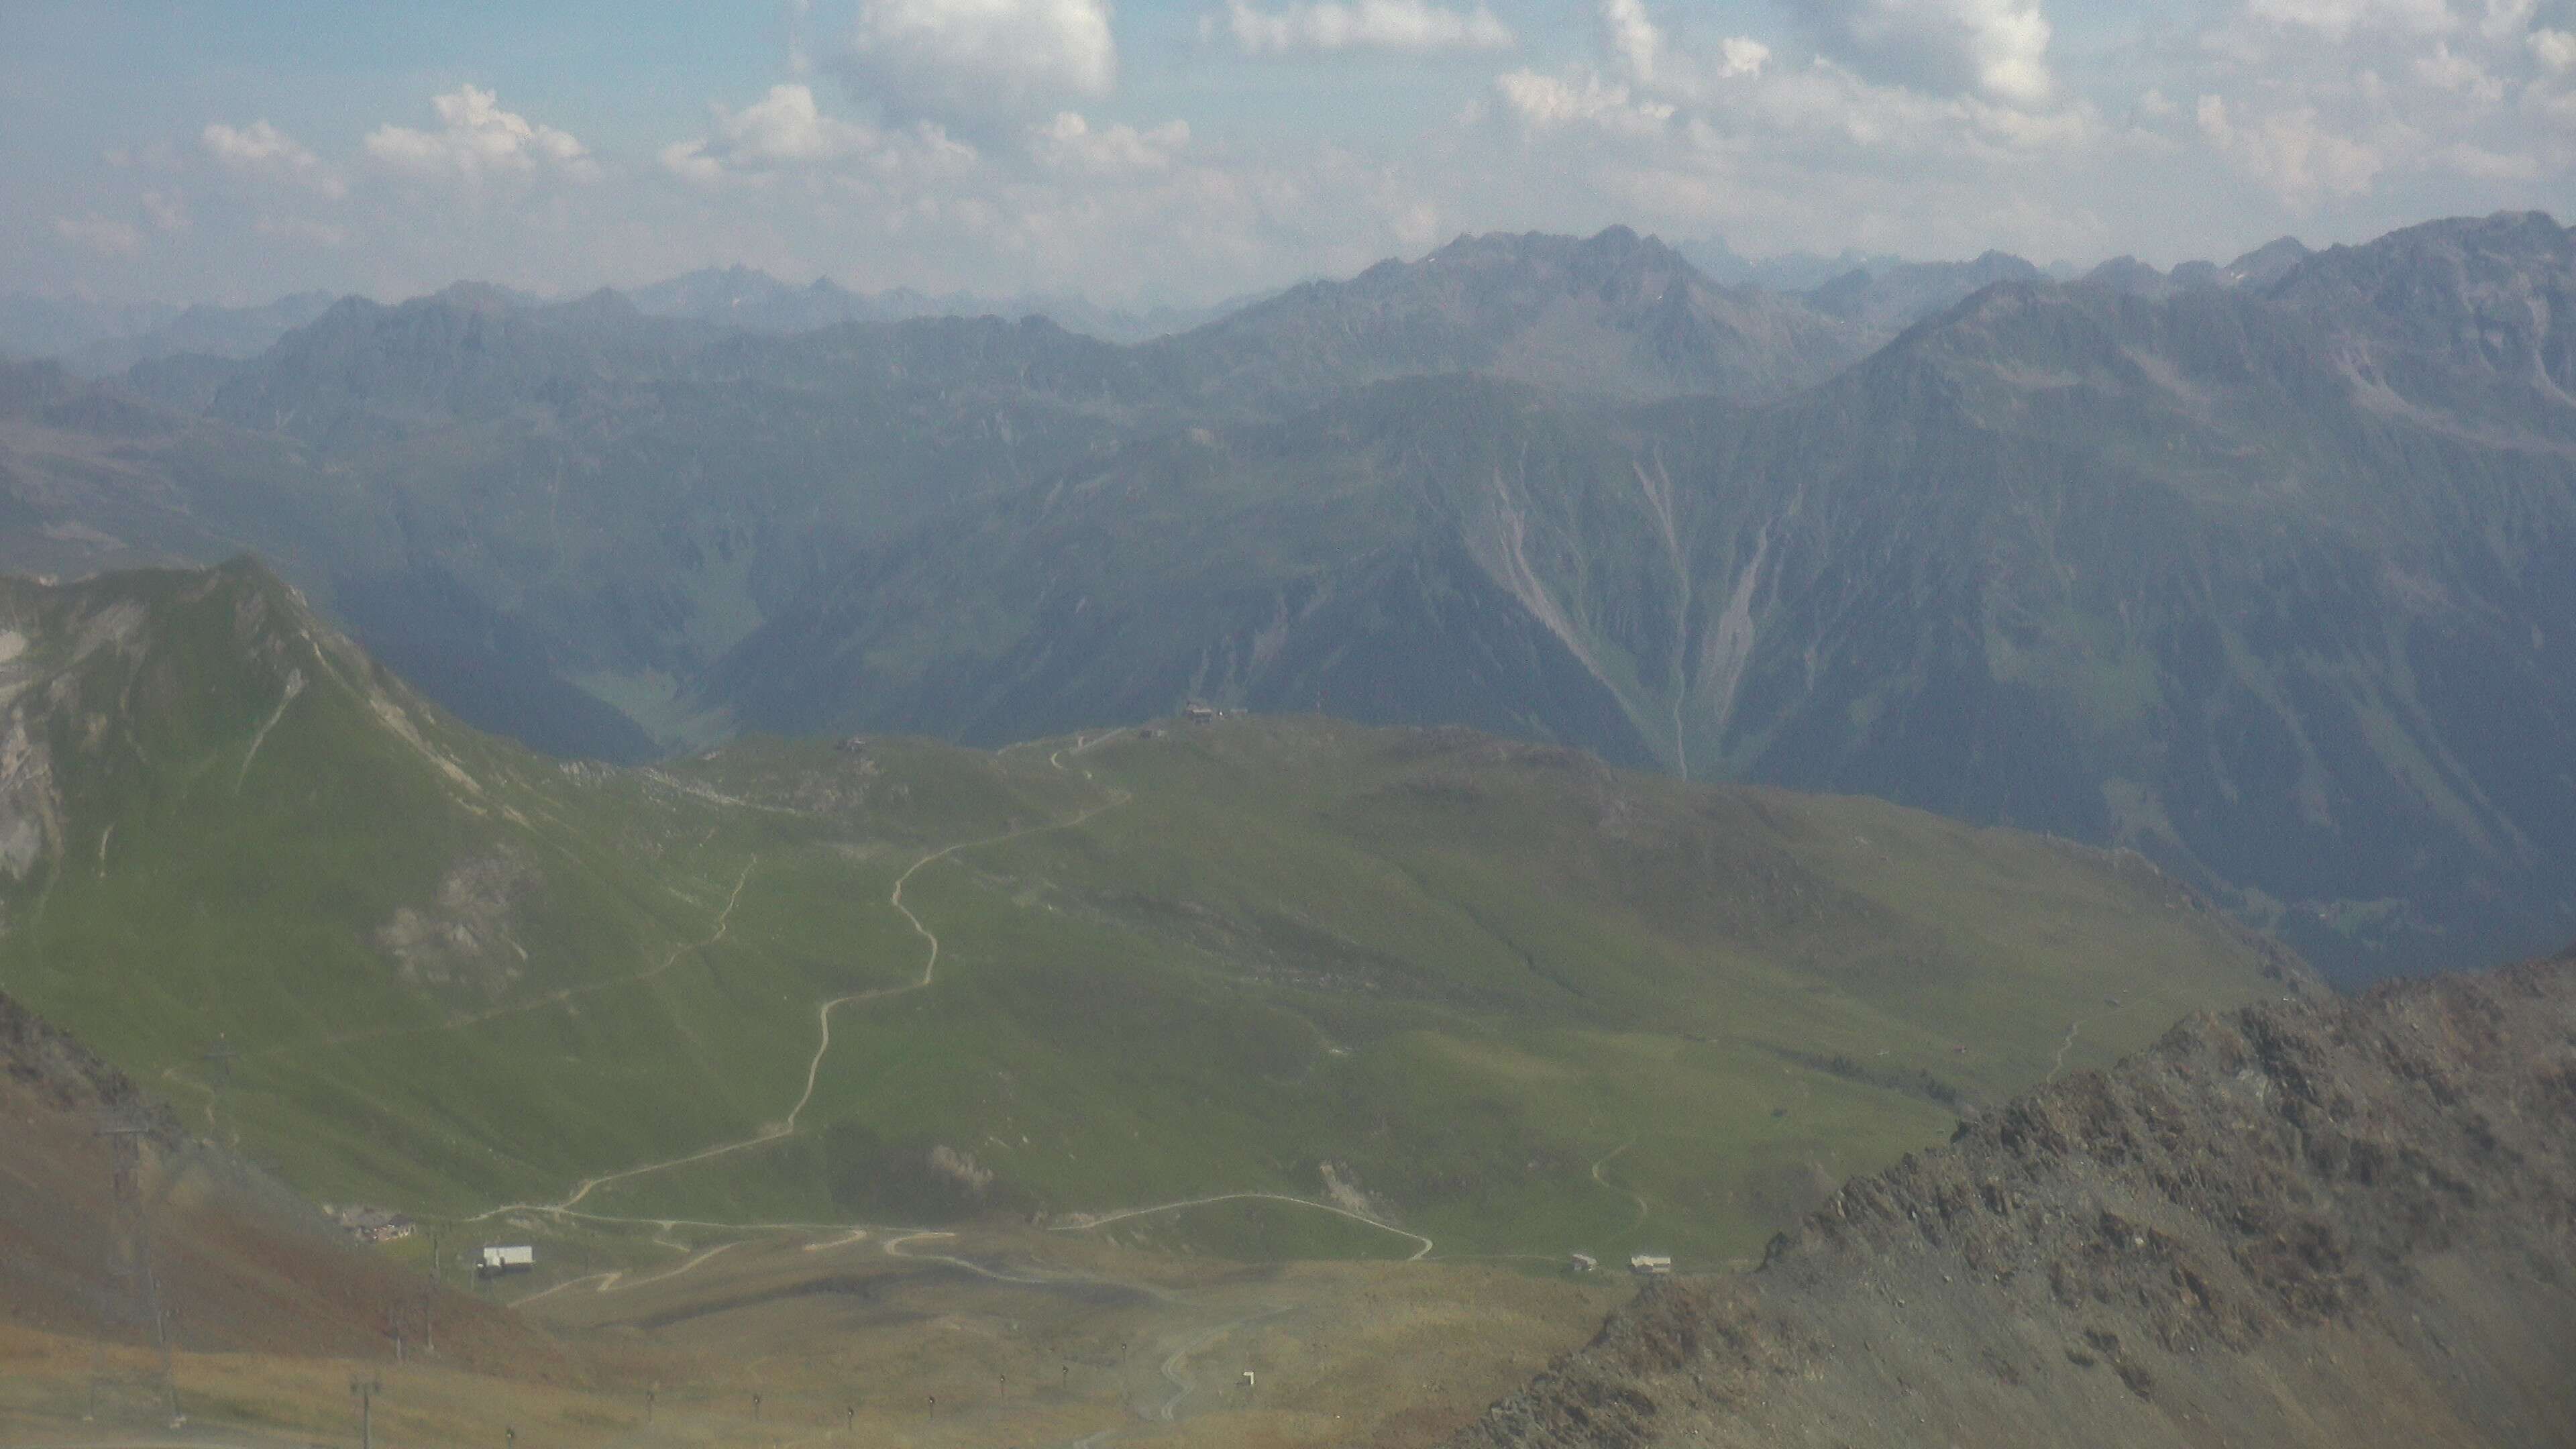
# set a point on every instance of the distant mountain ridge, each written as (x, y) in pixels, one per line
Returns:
(739, 296)
(2155, 571)
(96, 340)
(2223, 568)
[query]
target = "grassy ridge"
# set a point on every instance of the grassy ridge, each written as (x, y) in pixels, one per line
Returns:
(1497, 995)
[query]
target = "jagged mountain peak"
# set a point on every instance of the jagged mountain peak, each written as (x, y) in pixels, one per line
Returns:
(1900, 295)
(2494, 295)
(488, 298)
(2266, 264)
(1616, 313)
(1614, 252)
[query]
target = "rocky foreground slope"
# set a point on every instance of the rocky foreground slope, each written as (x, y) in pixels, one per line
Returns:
(239, 1262)
(2334, 1222)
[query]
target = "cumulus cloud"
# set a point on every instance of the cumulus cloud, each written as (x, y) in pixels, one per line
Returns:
(1634, 38)
(2554, 49)
(167, 211)
(1994, 48)
(2506, 19)
(787, 129)
(2292, 151)
(1639, 50)
(979, 63)
(2462, 74)
(476, 139)
(1071, 142)
(261, 149)
(103, 235)
(1390, 25)
(2341, 18)
(302, 230)
(1546, 102)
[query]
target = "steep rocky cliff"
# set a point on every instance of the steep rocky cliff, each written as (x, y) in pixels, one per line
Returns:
(2346, 1222)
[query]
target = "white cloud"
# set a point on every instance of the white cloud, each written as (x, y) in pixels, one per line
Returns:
(1070, 142)
(2506, 19)
(167, 211)
(786, 129)
(980, 62)
(1640, 51)
(2468, 160)
(1634, 38)
(2555, 49)
(689, 161)
(2447, 70)
(1996, 48)
(1741, 55)
(103, 235)
(2292, 152)
(1396, 25)
(786, 125)
(303, 230)
(2342, 18)
(1546, 102)
(261, 149)
(477, 138)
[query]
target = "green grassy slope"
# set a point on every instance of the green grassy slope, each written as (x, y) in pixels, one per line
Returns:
(1497, 997)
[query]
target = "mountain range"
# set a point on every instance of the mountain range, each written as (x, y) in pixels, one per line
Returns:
(2231, 564)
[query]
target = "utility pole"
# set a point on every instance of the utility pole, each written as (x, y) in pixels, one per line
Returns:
(366, 1390)
(134, 1291)
(219, 1075)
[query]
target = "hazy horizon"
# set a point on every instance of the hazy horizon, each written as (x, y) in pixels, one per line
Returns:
(1176, 154)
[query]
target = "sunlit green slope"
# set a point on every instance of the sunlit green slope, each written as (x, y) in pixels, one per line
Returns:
(1485, 997)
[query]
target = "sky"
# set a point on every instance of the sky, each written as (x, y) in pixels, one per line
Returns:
(1142, 152)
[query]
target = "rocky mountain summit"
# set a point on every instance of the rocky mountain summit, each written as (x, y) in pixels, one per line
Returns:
(2332, 1221)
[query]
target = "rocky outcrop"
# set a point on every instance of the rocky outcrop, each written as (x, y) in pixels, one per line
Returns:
(237, 1261)
(2346, 1222)
(63, 1076)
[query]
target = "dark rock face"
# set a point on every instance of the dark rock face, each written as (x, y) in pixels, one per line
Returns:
(66, 1076)
(2341, 1222)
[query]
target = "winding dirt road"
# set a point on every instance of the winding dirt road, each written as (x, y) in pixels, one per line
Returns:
(1632, 1195)
(786, 1126)
(1101, 1220)
(2057, 1063)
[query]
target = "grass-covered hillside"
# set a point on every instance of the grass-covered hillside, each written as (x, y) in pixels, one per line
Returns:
(1422, 987)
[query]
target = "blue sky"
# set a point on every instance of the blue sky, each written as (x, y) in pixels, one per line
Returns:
(1178, 150)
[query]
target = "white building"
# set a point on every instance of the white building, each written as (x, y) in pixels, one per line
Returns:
(514, 1259)
(1650, 1263)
